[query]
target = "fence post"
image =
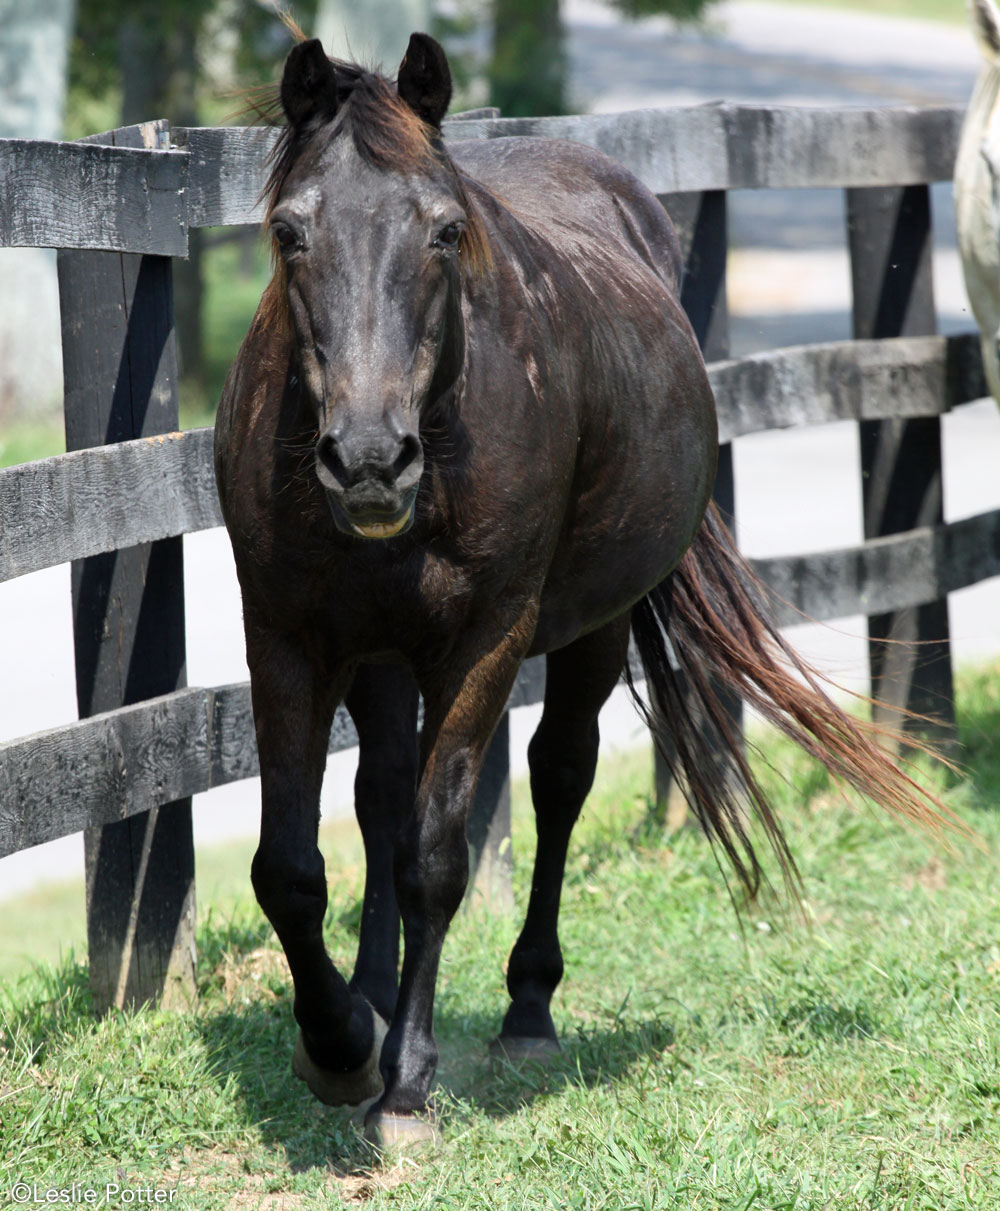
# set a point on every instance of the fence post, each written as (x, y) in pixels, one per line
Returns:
(890, 239)
(120, 377)
(700, 220)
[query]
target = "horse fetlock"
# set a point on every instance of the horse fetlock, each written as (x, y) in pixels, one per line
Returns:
(534, 973)
(349, 1088)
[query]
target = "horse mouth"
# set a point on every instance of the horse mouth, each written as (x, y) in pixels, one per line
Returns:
(370, 521)
(382, 529)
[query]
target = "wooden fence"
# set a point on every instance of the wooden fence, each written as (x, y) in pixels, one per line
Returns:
(121, 205)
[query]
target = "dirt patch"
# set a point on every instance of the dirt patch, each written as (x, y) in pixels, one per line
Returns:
(253, 975)
(243, 1183)
(932, 877)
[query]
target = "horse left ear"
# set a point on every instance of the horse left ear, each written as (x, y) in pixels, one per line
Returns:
(308, 84)
(424, 80)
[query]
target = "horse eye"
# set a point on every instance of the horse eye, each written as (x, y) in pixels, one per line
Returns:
(449, 236)
(288, 239)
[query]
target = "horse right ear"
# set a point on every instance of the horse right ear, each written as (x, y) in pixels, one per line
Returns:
(309, 84)
(424, 80)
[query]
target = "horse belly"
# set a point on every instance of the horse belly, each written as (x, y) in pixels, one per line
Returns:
(631, 530)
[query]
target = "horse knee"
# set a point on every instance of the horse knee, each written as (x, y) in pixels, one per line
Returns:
(432, 869)
(291, 892)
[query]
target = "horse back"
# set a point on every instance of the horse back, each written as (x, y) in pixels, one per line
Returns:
(565, 191)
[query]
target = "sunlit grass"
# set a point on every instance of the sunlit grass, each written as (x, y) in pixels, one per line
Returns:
(951, 11)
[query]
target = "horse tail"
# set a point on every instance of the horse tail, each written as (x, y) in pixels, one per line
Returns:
(705, 637)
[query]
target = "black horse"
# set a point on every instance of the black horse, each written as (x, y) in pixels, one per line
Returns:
(470, 423)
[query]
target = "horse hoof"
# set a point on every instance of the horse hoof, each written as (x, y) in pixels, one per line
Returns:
(524, 1050)
(342, 1088)
(399, 1132)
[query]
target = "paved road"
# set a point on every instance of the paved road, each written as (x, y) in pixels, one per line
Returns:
(796, 491)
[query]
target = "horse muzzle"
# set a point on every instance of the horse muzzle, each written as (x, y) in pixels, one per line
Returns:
(371, 488)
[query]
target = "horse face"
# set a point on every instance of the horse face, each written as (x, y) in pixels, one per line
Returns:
(371, 266)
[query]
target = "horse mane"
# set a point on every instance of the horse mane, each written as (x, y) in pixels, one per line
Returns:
(387, 135)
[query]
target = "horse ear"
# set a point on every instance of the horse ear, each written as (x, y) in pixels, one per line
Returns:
(986, 27)
(309, 84)
(424, 80)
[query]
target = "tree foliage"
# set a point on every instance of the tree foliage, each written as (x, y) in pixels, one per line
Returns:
(681, 10)
(185, 58)
(527, 72)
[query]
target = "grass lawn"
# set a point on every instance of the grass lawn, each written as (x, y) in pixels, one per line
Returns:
(851, 1061)
(952, 11)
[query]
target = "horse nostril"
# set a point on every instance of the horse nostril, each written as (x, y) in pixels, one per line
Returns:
(328, 454)
(409, 452)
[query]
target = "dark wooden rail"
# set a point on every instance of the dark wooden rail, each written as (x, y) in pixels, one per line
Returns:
(96, 500)
(135, 205)
(125, 199)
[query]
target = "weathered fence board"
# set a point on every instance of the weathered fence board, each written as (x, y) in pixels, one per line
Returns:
(69, 195)
(725, 146)
(688, 149)
(91, 501)
(228, 168)
(125, 762)
(846, 380)
(132, 200)
(895, 572)
(97, 500)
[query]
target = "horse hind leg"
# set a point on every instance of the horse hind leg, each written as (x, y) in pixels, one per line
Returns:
(562, 758)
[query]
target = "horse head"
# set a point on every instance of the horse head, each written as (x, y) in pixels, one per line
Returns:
(369, 218)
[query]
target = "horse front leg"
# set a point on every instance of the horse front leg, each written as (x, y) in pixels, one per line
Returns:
(383, 704)
(462, 706)
(295, 694)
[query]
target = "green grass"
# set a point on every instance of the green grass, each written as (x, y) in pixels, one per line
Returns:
(852, 1062)
(952, 11)
(22, 441)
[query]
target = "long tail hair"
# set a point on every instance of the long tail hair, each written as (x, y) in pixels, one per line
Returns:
(705, 636)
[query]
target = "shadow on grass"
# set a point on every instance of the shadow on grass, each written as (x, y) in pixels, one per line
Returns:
(253, 1045)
